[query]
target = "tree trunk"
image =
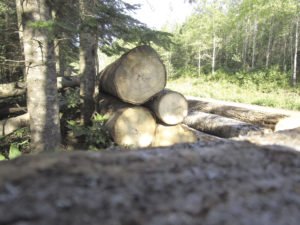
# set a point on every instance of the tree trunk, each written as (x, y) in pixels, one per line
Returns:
(199, 61)
(135, 77)
(214, 54)
(171, 135)
(19, 88)
(284, 62)
(42, 101)
(128, 125)
(254, 43)
(272, 120)
(245, 45)
(169, 106)
(10, 125)
(87, 61)
(269, 45)
(20, 31)
(220, 126)
(294, 76)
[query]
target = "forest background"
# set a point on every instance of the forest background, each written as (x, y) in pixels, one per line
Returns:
(240, 50)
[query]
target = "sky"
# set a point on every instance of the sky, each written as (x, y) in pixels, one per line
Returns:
(157, 13)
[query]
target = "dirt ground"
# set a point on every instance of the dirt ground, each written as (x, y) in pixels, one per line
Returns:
(222, 183)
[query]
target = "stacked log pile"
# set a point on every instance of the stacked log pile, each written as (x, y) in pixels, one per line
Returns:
(141, 111)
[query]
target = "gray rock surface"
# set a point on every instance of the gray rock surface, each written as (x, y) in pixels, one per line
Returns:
(223, 183)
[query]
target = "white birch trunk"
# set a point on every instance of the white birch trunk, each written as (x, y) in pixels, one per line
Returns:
(294, 77)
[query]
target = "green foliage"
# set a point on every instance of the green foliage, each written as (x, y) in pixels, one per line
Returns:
(96, 136)
(242, 87)
(14, 150)
(2, 157)
(72, 98)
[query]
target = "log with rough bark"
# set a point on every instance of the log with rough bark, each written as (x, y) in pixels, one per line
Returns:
(135, 77)
(19, 88)
(12, 89)
(170, 135)
(10, 125)
(12, 110)
(221, 126)
(270, 118)
(129, 125)
(170, 107)
(288, 138)
(223, 184)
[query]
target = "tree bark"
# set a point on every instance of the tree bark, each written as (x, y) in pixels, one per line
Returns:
(10, 125)
(259, 117)
(128, 125)
(171, 135)
(170, 107)
(221, 126)
(135, 77)
(42, 101)
(87, 61)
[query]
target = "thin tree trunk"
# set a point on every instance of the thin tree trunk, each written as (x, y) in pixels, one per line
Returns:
(284, 55)
(268, 54)
(20, 31)
(42, 101)
(214, 54)
(199, 62)
(87, 62)
(294, 77)
(245, 45)
(254, 44)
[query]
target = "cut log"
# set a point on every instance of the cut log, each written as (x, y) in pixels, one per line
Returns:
(224, 184)
(12, 89)
(170, 107)
(10, 125)
(135, 77)
(248, 113)
(288, 138)
(170, 135)
(19, 88)
(5, 111)
(132, 127)
(128, 125)
(221, 126)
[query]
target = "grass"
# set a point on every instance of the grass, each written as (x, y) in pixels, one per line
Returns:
(225, 87)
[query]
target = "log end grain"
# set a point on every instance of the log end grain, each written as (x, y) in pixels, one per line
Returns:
(132, 127)
(170, 107)
(288, 123)
(170, 135)
(136, 76)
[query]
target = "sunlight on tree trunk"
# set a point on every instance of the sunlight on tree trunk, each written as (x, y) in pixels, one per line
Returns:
(41, 76)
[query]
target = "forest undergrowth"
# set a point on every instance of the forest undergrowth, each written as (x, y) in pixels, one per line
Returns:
(266, 88)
